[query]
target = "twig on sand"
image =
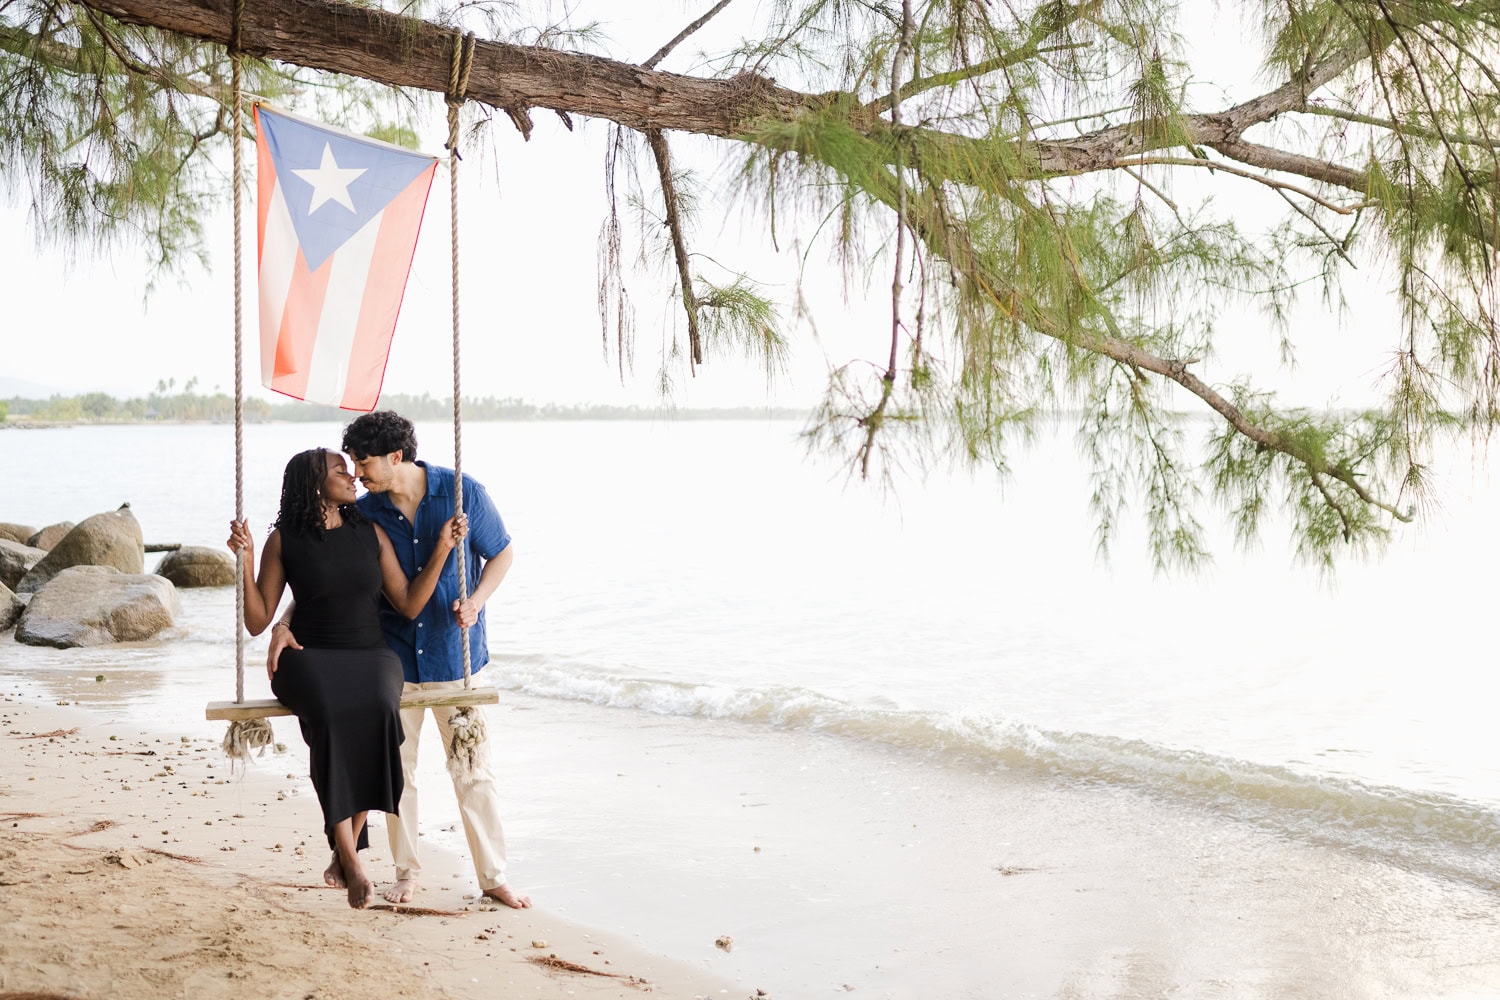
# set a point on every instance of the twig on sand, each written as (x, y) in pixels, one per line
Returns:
(103, 824)
(18, 816)
(416, 911)
(43, 736)
(186, 858)
(563, 965)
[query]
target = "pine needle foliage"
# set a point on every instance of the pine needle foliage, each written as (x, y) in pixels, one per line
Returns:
(1055, 284)
(1072, 211)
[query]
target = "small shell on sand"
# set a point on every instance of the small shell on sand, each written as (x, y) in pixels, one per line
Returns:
(724, 943)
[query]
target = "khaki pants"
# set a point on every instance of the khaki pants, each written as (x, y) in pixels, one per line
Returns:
(478, 801)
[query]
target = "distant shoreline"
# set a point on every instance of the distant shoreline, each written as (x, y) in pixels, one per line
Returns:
(188, 407)
(23, 424)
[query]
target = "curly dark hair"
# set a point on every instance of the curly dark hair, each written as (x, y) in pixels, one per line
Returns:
(302, 495)
(380, 433)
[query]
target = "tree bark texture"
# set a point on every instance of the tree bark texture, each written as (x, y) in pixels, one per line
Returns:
(396, 50)
(407, 52)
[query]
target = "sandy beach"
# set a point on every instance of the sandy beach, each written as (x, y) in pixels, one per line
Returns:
(987, 801)
(139, 866)
(133, 864)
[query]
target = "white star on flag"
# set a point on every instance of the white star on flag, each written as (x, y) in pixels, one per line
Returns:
(330, 181)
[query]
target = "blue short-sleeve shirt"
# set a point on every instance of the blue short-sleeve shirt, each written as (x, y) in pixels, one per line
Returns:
(431, 646)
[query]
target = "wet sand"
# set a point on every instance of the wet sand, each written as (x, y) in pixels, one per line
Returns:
(836, 866)
(132, 864)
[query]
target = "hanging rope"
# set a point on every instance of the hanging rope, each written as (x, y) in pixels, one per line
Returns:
(239, 365)
(244, 735)
(467, 724)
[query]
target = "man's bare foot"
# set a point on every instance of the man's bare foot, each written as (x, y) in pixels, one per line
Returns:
(504, 894)
(402, 891)
(334, 873)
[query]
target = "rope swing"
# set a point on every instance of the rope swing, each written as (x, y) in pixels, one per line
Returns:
(247, 734)
(248, 729)
(467, 724)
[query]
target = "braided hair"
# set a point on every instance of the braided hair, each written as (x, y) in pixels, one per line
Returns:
(302, 495)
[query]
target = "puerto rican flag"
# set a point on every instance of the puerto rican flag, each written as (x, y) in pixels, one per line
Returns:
(338, 221)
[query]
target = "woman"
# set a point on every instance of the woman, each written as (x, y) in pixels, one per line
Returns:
(344, 684)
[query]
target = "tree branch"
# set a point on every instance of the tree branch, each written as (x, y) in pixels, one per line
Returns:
(662, 52)
(659, 152)
(400, 51)
(930, 223)
(1228, 168)
(872, 421)
(68, 59)
(1405, 129)
(1044, 25)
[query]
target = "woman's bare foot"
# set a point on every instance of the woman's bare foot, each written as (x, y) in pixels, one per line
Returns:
(334, 873)
(402, 891)
(361, 891)
(504, 894)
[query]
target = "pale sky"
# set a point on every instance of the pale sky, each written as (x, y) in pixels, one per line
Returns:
(530, 219)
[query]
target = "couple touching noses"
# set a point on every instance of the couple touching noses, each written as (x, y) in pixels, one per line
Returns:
(342, 657)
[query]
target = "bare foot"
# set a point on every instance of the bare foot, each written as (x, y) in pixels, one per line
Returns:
(504, 894)
(334, 873)
(361, 892)
(402, 891)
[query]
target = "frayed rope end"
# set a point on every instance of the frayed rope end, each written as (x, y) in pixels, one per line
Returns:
(246, 736)
(469, 734)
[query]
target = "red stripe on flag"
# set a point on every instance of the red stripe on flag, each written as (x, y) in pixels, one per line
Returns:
(299, 327)
(394, 249)
(265, 184)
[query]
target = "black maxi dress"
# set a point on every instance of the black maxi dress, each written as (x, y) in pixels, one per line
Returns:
(344, 685)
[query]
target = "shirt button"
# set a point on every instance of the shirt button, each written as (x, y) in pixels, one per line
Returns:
(419, 652)
(419, 624)
(419, 569)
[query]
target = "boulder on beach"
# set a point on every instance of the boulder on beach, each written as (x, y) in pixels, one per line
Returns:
(11, 607)
(95, 605)
(16, 561)
(12, 532)
(111, 539)
(50, 535)
(197, 566)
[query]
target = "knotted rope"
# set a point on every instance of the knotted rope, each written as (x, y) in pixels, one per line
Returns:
(244, 735)
(467, 723)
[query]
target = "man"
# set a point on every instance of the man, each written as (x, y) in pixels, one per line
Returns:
(411, 500)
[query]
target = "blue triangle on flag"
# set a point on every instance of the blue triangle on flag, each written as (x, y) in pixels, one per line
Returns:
(334, 183)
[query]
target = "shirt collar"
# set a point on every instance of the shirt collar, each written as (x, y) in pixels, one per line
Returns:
(438, 479)
(437, 486)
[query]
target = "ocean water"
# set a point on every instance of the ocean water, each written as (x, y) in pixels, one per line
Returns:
(708, 602)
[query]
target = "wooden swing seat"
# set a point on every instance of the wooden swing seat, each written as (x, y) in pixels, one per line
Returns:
(266, 708)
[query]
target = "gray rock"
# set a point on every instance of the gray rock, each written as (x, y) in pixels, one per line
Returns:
(198, 566)
(95, 605)
(112, 539)
(16, 532)
(11, 607)
(50, 535)
(16, 561)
